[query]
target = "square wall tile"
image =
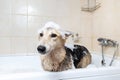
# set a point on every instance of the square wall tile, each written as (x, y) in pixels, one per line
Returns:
(19, 25)
(85, 26)
(34, 24)
(49, 7)
(19, 7)
(75, 7)
(86, 41)
(37, 22)
(5, 6)
(97, 25)
(5, 24)
(32, 43)
(95, 45)
(116, 24)
(64, 7)
(75, 24)
(19, 45)
(5, 46)
(42, 7)
(35, 7)
(65, 23)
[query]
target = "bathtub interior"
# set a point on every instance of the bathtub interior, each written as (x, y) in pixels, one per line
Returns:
(96, 60)
(17, 64)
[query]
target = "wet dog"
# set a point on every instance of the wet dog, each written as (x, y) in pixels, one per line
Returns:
(55, 56)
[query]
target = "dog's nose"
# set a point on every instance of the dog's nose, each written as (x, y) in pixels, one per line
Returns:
(41, 49)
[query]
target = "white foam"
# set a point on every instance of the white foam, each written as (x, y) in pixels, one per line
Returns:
(52, 25)
(49, 24)
(71, 46)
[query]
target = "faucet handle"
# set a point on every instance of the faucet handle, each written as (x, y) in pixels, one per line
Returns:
(103, 41)
(107, 42)
(112, 42)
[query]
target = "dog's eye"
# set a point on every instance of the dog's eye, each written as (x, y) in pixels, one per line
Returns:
(53, 35)
(41, 34)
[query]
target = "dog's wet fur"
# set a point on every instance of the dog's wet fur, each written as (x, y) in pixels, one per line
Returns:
(55, 56)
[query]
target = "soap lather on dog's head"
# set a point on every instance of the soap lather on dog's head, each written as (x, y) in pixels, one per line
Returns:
(51, 36)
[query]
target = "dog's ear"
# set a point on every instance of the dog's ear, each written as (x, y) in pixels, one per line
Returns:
(66, 34)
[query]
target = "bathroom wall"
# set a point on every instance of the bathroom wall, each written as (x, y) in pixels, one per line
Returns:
(20, 20)
(106, 23)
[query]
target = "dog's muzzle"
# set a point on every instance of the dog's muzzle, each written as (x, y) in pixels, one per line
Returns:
(41, 49)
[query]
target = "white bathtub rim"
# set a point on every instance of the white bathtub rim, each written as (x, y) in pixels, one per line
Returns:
(81, 73)
(91, 72)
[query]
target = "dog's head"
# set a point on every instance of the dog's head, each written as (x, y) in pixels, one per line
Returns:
(51, 37)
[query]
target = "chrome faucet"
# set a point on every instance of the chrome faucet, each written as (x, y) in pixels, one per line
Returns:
(108, 43)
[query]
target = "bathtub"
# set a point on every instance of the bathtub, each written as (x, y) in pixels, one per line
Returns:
(29, 68)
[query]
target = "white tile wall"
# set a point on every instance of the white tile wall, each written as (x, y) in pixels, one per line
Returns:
(106, 22)
(19, 45)
(5, 6)
(19, 7)
(5, 45)
(32, 43)
(19, 25)
(5, 24)
(21, 19)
